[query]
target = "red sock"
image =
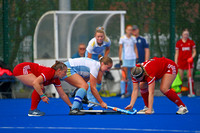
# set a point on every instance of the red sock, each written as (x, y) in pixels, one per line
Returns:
(192, 86)
(171, 95)
(145, 96)
(35, 99)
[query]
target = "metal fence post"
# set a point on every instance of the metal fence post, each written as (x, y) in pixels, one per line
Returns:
(172, 28)
(5, 32)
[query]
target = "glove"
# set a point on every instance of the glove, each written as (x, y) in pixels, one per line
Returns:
(137, 60)
(190, 60)
(120, 62)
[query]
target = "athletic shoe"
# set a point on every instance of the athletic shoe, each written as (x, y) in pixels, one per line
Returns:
(182, 110)
(123, 96)
(179, 94)
(144, 110)
(35, 112)
(76, 112)
(191, 95)
(127, 95)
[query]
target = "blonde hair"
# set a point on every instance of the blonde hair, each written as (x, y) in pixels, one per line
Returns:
(105, 59)
(139, 69)
(101, 30)
(58, 65)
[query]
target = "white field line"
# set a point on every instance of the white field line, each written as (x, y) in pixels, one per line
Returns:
(108, 129)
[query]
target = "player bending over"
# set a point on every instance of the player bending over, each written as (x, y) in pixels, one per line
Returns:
(79, 72)
(36, 76)
(144, 76)
(96, 47)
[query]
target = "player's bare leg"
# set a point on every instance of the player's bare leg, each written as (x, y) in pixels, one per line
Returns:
(123, 81)
(35, 98)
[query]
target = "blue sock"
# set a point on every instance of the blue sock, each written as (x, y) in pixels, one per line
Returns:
(130, 86)
(78, 98)
(89, 93)
(129, 83)
(90, 96)
(123, 85)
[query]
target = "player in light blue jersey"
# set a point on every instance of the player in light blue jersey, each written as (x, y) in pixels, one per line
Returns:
(96, 47)
(128, 55)
(79, 72)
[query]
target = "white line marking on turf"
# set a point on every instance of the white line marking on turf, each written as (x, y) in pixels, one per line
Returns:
(111, 129)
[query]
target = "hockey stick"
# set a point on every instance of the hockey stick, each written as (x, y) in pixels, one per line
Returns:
(118, 109)
(190, 80)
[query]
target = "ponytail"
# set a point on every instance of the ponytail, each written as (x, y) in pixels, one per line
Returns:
(105, 59)
(138, 71)
(58, 65)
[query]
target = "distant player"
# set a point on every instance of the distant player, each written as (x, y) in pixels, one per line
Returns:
(185, 53)
(127, 55)
(79, 72)
(99, 45)
(36, 76)
(144, 76)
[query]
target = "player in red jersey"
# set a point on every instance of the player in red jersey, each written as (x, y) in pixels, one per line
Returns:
(144, 76)
(185, 52)
(36, 76)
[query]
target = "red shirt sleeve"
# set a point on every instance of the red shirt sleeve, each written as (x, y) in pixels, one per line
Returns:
(56, 82)
(133, 80)
(47, 74)
(193, 44)
(150, 80)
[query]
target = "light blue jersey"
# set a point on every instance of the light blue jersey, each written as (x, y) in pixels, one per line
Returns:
(83, 67)
(95, 49)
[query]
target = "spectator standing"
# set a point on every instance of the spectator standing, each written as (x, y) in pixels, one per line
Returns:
(127, 55)
(142, 45)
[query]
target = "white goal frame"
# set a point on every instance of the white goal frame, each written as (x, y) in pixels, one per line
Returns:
(79, 13)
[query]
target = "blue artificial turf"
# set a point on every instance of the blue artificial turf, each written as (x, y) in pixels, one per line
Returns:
(13, 117)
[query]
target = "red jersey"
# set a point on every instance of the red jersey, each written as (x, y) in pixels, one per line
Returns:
(46, 72)
(185, 52)
(156, 68)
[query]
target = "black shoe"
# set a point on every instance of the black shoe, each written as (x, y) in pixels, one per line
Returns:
(91, 108)
(76, 112)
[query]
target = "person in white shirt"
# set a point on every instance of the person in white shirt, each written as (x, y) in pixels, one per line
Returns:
(128, 55)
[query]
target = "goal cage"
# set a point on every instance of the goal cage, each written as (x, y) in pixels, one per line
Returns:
(58, 33)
